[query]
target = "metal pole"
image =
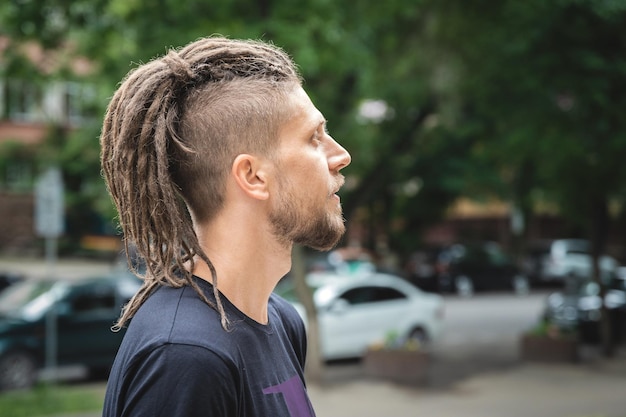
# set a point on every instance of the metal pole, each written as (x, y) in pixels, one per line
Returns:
(51, 344)
(51, 317)
(51, 256)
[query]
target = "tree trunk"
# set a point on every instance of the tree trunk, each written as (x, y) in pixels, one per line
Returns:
(314, 367)
(522, 186)
(599, 235)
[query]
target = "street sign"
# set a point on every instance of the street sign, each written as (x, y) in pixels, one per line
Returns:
(49, 207)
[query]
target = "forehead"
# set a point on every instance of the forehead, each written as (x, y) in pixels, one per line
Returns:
(303, 117)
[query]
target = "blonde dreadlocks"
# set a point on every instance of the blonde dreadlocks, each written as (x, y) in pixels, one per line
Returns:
(170, 134)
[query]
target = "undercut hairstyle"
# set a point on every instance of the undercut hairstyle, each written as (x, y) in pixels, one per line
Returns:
(170, 135)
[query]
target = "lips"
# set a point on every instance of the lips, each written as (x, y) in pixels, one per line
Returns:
(339, 182)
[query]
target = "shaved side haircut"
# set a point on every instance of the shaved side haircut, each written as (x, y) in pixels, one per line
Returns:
(170, 135)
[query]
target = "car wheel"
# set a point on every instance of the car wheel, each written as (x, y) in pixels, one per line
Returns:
(419, 337)
(464, 286)
(17, 371)
(521, 284)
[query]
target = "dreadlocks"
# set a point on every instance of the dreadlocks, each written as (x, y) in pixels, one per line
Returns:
(170, 134)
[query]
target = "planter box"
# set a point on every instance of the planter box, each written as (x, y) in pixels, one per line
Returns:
(547, 349)
(402, 366)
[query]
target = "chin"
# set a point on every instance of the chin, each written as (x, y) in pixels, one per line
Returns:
(326, 238)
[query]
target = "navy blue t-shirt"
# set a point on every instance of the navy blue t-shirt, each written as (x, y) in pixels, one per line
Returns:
(176, 360)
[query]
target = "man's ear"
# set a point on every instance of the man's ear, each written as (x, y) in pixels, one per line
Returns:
(251, 173)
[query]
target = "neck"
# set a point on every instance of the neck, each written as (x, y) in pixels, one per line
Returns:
(248, 264)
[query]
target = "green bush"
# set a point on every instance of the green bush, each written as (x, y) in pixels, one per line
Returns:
(549, 329)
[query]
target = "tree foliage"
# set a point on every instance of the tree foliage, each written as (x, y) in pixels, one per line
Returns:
(521, 100)
(347, 54)
(543, 82)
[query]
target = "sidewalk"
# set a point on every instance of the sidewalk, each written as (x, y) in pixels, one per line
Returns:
(38, 268)
(577, 390)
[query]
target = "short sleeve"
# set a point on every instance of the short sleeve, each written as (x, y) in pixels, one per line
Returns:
(177, 380)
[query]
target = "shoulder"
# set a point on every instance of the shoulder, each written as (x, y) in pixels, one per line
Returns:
(173, 316)
(179, 370)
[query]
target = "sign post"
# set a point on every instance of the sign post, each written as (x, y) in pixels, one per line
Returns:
(49, 210)
(49, 224)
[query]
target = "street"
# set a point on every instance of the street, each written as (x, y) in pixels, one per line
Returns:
(481, 334)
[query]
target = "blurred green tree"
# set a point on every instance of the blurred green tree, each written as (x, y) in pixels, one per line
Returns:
(542, 83)
(350, 56)
(433, 98)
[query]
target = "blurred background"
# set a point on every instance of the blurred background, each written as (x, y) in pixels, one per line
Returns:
(488, 141)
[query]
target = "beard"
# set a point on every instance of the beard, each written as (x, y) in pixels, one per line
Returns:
(310, 225)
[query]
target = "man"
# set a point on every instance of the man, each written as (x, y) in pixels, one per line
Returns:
(218, 162)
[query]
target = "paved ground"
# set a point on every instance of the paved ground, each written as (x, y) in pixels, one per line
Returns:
(594, 388)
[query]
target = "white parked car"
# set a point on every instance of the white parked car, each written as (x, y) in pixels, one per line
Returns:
(357, 311)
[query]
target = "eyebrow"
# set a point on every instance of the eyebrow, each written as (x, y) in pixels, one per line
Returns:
(320, 123)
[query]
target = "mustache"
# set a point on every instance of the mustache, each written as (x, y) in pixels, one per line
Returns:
(338, 182)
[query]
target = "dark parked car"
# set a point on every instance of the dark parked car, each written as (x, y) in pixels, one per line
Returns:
(84, 311)
(466, 268)
(577, 307)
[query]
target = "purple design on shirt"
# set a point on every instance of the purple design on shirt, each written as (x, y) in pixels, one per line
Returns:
(295, 396)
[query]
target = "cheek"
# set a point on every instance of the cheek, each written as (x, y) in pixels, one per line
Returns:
(310, 166)
(308, 173)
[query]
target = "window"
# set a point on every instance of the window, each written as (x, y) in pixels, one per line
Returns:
(91, 302)
(497, 257)
(23, 101)
(371, 294)
(18, 176)
(388, 294)
(78, 102)
(64, 102)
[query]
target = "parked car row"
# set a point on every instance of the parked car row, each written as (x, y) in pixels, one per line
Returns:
(355, 311)
(357, 307)
(464, 268)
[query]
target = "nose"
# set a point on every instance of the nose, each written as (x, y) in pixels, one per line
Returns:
(338, 157)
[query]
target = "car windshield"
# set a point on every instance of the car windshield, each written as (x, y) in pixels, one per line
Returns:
(29, 300)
